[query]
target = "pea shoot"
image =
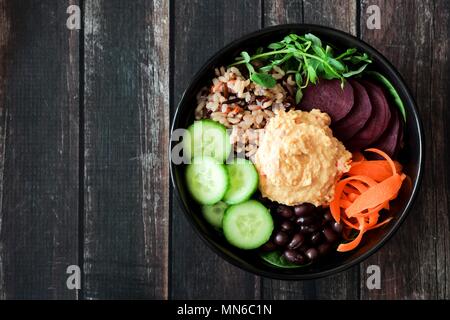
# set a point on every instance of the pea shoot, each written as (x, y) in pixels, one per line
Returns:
(306, 58)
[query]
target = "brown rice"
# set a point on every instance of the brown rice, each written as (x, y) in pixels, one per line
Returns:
(243, 106)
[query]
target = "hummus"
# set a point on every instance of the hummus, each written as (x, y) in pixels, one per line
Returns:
(299, 160)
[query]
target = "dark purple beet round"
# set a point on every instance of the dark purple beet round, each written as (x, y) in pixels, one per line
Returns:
(390, 138)
(378, 122)
(329, 97)
(358, 116)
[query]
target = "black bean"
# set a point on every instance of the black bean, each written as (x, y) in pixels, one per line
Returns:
(327, 216)
(316, 238)
(303, 209)
(268, 246)
(324, 248)
(284, 211)
(330, 234)
(290, 255)
(303, 247)
(312, 254)
(300, 259)
(294, 257)
(337, 227)
(297, 241)
(310, 228)
(281, 238)
(287, 226)
(308, 220)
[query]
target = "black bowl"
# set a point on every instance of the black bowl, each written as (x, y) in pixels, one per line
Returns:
(411, 156)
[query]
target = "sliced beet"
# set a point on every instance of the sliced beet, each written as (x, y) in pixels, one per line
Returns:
(378, 121)
(388, 142)
(347, 127)
(329, 97)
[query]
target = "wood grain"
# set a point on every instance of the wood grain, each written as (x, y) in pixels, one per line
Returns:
(126, 138)
(340, 15)
(199, 29)
(414, 36)
(38, 150)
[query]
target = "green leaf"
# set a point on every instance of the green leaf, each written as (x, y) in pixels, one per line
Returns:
(329, 50)
(275, 258)
(389, 86)
(263, 79)
(313, 39)
(319, 51)
(266, 68)
(298, 95)
(250, 68)
(287, 39)
(354, 72)
(312, 74)
(317, 65)
(246, 56)
(336, 64)
(276, 46)
(298, 79)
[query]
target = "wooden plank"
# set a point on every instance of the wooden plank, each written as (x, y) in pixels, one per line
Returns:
(38, 150)
(199, 29)
(126, 137)
(440, 151)
(414, 36)
(341, 15)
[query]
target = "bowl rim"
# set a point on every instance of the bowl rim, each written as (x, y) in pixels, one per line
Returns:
(410, 101)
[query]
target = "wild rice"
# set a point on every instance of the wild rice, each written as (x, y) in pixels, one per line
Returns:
(243, 106)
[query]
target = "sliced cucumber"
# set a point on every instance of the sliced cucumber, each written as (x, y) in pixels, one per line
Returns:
(243, 181)
(208, 138)
(214, 213)
(206, 180)
(247, 225)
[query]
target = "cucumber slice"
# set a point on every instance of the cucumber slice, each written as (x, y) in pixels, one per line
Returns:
(247, 225)
(208, 138)
(206, 180)
(243, 181)
(214, 213)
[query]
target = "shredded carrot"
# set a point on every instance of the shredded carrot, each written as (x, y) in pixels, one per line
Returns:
(358, 156)
(376, 171)
(352, 196)
(352, 244)
(384, 155)
(363, 193)
(376, 195)
(349, 189)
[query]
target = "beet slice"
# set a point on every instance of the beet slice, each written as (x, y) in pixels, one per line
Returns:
(347, 127)
(329, 97)
(378, 122)
(388, 142)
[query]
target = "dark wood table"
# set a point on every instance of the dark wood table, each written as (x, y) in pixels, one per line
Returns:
(84, 131)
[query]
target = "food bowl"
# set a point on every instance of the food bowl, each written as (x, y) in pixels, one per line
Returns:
(411, 157)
